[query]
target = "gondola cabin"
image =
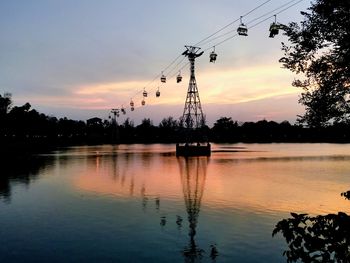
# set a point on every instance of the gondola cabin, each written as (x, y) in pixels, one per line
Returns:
(178, 78)
(242, 30)
(212, 57)
(163, 78)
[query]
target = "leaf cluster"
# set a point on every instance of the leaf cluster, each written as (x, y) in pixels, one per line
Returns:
(319, 49)
(322, 238)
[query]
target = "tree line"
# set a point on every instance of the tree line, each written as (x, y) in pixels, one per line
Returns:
(24, 124)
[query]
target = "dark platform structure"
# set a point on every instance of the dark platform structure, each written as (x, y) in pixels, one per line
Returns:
(193, 150)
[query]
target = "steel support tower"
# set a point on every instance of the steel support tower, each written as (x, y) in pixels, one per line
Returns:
(193, 119)
(192, 116)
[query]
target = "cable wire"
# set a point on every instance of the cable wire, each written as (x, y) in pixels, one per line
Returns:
(226, 39)
(207, 40)
(231, 23)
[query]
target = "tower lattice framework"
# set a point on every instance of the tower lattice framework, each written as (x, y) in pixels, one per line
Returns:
(192, 116)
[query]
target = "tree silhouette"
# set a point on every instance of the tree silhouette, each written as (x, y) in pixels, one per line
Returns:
(225, 129)
(5, 103)
(322, 238)
(320, 50)
(168, 129)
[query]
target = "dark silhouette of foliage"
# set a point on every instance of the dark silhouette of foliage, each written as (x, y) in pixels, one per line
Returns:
(146, 131)
(169, 129)
(25, 173)
(322, 238)
(225, 129)
(346, 195)
(25, 128)
(320, 49)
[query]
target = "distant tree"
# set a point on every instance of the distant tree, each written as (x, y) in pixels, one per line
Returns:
(146, 132)
(128, 123)
(168, 129)
(127, 131)
(168, 123)
(223, 129)
(146, 123)
(224, 123)
(320, 50)
(5, 103)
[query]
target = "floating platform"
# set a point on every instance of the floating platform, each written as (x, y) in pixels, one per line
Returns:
(193, 150)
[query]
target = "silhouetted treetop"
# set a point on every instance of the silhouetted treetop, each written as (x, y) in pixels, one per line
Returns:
(320, 50)
(5, 103)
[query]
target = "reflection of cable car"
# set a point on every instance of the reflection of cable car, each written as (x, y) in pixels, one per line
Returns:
(242, 30)
(157, 93)
(179, 77)
(143, 102)
(274, 27)
(163, 78)
(144, 92)
(212, 56)
(131, 103)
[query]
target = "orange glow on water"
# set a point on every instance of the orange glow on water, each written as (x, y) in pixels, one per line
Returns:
(274, 185)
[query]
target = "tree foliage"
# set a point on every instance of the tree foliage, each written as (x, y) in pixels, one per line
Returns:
(320, 50)
(322, 238)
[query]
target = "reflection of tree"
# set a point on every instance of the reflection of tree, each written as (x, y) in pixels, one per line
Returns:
(20, 170)
(323, 238)
(193, 175)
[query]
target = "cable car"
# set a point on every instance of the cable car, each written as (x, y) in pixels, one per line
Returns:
(274, 27)
(242, 30)
(131, 103)
(163, 78)
(212, 56)
(143, 102)
(123, 110)
(158, 93)
(132, 108)
(179, 77)
(144, 93)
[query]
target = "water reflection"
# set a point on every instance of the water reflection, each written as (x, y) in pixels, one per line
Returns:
(23, 171)
(142, 204)
(193, 173)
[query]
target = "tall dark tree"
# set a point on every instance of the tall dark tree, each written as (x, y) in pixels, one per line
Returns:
(320, 50)
(224, 129)
(5, 103)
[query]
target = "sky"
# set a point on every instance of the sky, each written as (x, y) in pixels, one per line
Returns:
(82, 58)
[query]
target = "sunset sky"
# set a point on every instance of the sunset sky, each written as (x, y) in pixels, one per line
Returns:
(81, 58)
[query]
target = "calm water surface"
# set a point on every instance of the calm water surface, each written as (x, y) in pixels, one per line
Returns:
(140, 203)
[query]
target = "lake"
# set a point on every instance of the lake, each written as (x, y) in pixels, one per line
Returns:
(141, 203)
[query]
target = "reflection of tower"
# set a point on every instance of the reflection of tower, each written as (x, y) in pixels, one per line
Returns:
(193, 174)
(115, 130)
